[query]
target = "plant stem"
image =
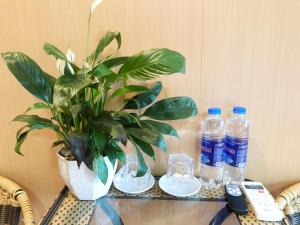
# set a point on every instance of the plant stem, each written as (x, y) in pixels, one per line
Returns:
(63, 133)
(88, 36)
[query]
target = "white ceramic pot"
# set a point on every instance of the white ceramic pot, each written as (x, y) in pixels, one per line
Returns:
(83, 182)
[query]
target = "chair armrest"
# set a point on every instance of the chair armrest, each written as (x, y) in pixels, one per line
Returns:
(20, 195)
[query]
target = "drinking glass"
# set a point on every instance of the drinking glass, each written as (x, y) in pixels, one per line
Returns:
(180, 169)
(126, 177)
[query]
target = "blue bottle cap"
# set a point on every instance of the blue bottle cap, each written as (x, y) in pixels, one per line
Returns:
(214, 111)
(239, 110)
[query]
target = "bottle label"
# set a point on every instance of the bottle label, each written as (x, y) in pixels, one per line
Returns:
(212, 151)
(236, 151)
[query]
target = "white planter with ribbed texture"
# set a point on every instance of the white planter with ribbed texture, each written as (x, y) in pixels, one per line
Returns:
(83, 182)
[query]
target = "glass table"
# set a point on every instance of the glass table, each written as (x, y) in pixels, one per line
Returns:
(153, 207)
(163, 212)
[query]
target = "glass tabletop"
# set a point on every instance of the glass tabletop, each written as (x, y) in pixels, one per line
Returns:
(151, 207)
(119, 211)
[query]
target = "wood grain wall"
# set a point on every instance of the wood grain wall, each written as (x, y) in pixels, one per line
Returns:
(238, 52)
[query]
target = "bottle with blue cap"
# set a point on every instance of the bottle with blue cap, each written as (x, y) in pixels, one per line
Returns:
(212, 149)
(236, 146)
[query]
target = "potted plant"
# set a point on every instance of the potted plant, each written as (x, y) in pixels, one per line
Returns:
(91, 125)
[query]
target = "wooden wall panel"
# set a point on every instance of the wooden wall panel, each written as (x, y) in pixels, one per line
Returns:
(251, 53)
(238, 52)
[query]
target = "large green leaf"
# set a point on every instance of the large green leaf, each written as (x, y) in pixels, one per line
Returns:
(127, 89)
(68, 86)
(38, 105)
(118, 132)
(37, 124)
(79, 146)
(149, 135)
(51, 80)
(142, 166)
(52, 50)
(172, 109)
(101, 70)
(34, 122)
(117, 61)
(153, 63)
(35, 119)
(126, 118)
(113, 151)
(144, 99)
(100, 168)
(162, 127)
(99, 139)
(30, 75)
(105, 41)
(111, 127)
(145, 147)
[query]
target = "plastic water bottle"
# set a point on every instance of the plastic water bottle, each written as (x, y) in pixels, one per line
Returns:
(236, 146)
(212, 149)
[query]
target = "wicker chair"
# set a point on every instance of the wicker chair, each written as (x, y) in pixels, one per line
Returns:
(289, 202)
(13, 199)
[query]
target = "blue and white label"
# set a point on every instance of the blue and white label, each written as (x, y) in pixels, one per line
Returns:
(212, 151)
(236, 150)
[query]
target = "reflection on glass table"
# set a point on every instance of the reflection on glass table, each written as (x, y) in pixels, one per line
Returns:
(151, 207)
(112, 211)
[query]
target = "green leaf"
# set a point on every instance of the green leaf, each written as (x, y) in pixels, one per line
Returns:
(162, 127)
(105, 41)
(172, 109)
(144, 99)
(113, 62)
(30, 119)
(68, 86)
(30, 75)
(126, 118)
(20, 130)
(145, 147)
(51, 80)
(75, 109)
(104, 123)
(127, 89)
(33, 123)
(150, 64)
(110, 79)
(78, 146)
(99, 139)
(111, 127)
(100, 168)
(113, 151)
(149, 135)
(118, 132)
(68, 71)
(52, 50)
(75, 68)
(36, 121)
(142, 166)
(101, 70)
(56, 143)
(20, 141)
(79, 108)
(39, 105)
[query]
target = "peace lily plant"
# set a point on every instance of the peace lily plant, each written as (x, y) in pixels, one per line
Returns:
(85, 108)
